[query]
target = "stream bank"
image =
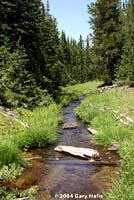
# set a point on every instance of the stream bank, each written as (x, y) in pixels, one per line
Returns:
(61, 176)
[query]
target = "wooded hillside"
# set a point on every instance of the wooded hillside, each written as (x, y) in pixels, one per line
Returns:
(36, 59)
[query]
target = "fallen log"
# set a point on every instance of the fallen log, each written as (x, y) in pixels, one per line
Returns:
(80, 152)
(24, 198)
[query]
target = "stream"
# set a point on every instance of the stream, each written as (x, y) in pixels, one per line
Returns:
(62, 176)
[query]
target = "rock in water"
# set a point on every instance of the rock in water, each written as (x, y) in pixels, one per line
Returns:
(114, 146)
(69, 125)
(80, 152)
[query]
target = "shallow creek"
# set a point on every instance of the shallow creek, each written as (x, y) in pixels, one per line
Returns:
(62, 176)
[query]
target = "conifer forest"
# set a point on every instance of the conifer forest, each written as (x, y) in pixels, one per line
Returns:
(42, 72)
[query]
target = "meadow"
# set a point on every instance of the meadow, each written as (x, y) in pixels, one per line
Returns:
(111, 113)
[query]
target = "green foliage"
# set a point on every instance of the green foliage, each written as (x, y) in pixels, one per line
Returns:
(43, 123)
(17, 86)
(102, 112)
(107, 36)
(73, 92)
(8, 152)
(15, 194)
(10, 172)
(124, 189)
(125, 69)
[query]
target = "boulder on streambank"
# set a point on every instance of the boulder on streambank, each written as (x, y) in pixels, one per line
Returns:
(79, 152)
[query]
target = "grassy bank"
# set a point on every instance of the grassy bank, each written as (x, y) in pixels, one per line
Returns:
(107, 113)
(39, 130)
(30, 129)
(71, 93)
(23, 131)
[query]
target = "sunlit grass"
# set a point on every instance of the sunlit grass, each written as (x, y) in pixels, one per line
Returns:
(9, 152)
(102, 112)
(43, 122)
(73, 92)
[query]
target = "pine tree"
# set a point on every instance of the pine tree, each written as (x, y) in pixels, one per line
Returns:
(81, 59)
(125, 70)
(64, 56)
(17, 86)
(107, 36)
(89, 75)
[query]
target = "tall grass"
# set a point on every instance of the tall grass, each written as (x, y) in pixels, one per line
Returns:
(9, 152)
(73, 92)
(124, 189)
(102, 112)
(43, 122)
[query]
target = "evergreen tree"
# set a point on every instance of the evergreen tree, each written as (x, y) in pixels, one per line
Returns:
(74, 61)
(64, 56)
(107, 36)
(17, 85)
(125, 70)
(82, 67)
(88, 71)
(29, 24)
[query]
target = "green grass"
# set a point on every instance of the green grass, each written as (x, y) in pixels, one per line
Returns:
(124, 189)
(9, 152)
(73, 92)
(43, 122)
(102, 112)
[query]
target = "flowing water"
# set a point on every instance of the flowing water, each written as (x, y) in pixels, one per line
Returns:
(62, 176)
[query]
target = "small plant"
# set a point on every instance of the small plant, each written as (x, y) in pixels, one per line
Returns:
(10, 172)
(15, 194)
